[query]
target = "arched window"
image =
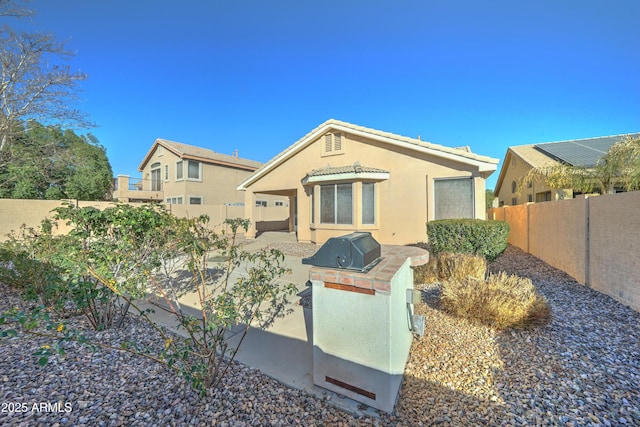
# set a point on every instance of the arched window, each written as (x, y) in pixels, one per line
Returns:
(514, 186)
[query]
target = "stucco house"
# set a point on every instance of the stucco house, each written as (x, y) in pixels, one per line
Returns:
(519, 160)
(179, 173)
(342, 177)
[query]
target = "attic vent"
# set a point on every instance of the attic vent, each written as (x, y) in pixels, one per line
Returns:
(328, 143)
(333, 143)
(337, 142)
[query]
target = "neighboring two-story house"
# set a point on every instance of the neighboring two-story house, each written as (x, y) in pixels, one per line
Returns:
(519, 160)
(178, 173)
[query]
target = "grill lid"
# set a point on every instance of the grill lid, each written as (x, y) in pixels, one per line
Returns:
(356, 251)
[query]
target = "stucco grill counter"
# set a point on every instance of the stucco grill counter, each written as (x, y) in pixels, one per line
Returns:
(363, 321)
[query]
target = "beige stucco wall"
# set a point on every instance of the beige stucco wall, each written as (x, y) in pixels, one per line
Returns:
(614, 246)
(404, 202)
(557, 235)
(596, 240)
(15, 212)
(517, 217)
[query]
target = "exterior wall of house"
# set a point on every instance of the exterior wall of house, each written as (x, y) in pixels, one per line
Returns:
(516, 168)
(404, 201)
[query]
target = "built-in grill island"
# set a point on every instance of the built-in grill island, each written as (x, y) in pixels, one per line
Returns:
(355, 251)
(363, 321)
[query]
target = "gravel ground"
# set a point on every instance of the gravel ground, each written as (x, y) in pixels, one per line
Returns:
(580, 369)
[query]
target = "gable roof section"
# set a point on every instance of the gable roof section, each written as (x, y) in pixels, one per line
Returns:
(484, 163)
(527, 153)
(191, 152)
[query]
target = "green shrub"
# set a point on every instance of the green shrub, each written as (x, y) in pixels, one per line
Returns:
(449, 266)
(471, 236)
(502, 301)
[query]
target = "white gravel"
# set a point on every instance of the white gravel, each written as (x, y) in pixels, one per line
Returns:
(580, 369)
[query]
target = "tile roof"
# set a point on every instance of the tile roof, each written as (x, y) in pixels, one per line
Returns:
(355, 168)
(532, 156)
(204, 154)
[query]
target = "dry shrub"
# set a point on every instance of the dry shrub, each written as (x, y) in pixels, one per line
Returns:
(449, 266)
(460, 266)
(502, 301)
(426, 273)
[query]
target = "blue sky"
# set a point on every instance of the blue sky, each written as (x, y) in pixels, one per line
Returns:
(255, 75)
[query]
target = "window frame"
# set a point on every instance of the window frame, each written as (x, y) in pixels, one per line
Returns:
(199, 178)
(176, 200)
(261, 203)
(336, 205)
(191, 198)
(472, 206)
(155, 183)
(179, 170)
(373, 207)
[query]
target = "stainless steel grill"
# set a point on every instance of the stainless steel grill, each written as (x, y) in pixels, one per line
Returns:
(357, 251)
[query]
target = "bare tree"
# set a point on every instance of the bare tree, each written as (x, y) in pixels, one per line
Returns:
(35, 83)
(14, 8)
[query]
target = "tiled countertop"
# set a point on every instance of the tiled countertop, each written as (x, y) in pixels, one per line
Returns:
(379, 277)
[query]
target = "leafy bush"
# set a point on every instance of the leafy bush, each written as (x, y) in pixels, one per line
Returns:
(27, 262)
(110, 260)
(449, 266)
(502, 301)
(471, 236)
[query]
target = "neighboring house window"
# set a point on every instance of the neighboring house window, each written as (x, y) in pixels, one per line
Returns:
(543, 197)
(336, 204)
(179, 170)
(166, 172)
(261, 203)
(514, 201)
(193, 169)
(368, 203)
(156, 183)
(530, 198)
(453, 198)
(174, 200)
(195, 200)
(514, 186)
(333, 143)
(529, 184)
(279, 203)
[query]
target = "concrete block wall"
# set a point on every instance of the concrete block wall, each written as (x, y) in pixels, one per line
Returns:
(16, 212)
(596, 240)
